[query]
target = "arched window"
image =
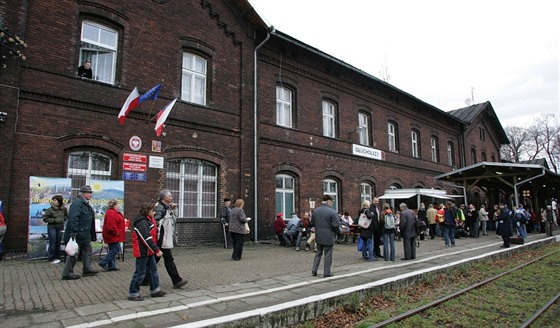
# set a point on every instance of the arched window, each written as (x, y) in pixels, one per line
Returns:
(193, 184)
(450, 153)
(366, 191)
(330, 187)
(473, 156)
(86, 165)
(285, 194)
(434, 144)
(483, 156)
(415, 143)
(329, 119)
(98, 45)
(393, 136)
(284, 105)
(363, 129)
(193, 87)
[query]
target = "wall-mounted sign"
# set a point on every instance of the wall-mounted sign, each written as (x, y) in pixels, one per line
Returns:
(156, 162)
(137, 158)
(128, 175)
(136, 167)
(135, 143)
(367, 152)
(156, 146)
(140, 176)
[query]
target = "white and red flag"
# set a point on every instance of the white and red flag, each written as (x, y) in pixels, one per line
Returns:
(129, 105)
(162, 116)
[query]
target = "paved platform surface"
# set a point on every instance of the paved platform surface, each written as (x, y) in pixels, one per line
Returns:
(270, 287)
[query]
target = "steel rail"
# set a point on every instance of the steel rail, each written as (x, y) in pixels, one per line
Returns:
(422, 308)
(537, 314)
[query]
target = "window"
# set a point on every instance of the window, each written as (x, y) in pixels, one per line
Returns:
(393, 136)
(450, 153)
(493, 158)
(283, 107)
(483, 156)
(86, 165)
(363, 129)
(98, 45)
(329, 114)
(285, 194)
(193, 88)
(366, 190)
(434, 146)
(482, 133)
(330, 187)
(473, 155)
(415, 142)
(193, 186)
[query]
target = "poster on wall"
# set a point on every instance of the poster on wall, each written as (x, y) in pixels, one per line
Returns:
(41, 191)
(103, 192)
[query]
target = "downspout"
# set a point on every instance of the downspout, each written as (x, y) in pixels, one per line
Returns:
(524, 181)
(255, 143)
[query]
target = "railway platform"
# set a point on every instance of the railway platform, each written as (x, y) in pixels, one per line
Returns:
(271, 286)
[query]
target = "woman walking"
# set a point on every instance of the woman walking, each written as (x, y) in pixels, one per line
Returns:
(113, 235)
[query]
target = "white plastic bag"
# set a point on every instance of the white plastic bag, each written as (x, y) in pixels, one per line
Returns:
(71, 247)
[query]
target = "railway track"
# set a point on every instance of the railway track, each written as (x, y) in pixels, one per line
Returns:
(465, 291)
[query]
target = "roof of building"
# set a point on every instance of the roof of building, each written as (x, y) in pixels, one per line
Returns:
(469, 114)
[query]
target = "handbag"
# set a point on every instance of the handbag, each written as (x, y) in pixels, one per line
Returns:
(247, 229)
(71, 247)
(363, 221)
(360, 243)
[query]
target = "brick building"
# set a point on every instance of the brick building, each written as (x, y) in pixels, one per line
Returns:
(321, 125)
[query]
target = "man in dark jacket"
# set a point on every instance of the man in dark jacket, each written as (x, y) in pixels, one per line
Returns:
(81, 225)
(326, 222)
(504, 225)
(375, 209)
(408, 232)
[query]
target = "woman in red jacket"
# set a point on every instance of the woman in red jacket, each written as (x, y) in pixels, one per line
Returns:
(113, 235)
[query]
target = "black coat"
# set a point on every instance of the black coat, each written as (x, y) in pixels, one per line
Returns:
(504, 225)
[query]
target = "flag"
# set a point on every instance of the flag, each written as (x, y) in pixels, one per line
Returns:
(150, 95)
(162, 116)
(129, 105)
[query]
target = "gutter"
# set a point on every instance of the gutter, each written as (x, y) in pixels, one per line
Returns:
(255, 135)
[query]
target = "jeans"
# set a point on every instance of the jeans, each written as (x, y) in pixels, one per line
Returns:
(389, 245)
(367, 249)
(291, 233)
(521, 230)
(484, 225)
(143, 265)
(109, 259)
(55, 237)
(449, 234)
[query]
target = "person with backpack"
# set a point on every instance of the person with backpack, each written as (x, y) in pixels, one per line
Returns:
(388, 228)
(520, 221)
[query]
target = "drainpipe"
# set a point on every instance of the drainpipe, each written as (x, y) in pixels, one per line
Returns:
(524, 181)
(255, 142)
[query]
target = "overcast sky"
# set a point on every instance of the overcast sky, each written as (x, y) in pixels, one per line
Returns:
(442, 52)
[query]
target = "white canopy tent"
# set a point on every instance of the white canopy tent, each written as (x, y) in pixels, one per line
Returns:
(394, 194)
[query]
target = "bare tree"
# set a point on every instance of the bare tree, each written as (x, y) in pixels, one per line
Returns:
(547, 128)
(519, 144)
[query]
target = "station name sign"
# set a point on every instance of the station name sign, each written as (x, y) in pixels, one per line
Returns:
(372, 153)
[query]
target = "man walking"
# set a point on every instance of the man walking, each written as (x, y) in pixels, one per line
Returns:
(81, 225)
(224, 217)
(325, 221)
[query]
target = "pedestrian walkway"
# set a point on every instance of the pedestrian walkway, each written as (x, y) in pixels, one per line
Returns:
(271, 286)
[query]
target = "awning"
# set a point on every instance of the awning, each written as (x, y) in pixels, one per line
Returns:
(398, 196)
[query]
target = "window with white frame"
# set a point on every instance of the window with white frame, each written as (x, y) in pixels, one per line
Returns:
(330, 187)
(86, 165)
(329, 115)
(366, 192)
(193, 87)
(193, 184)
(450, 154)
(98, 45)
(283, 106)
(285, 194)
(414, 141)
(392, 136)
(363, 129)
(434, 148)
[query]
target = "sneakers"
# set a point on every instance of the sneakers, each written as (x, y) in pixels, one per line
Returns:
(55, 261)
(90, 273)
(180, 284)
(297, 249)
(307, 247)
(161, 293)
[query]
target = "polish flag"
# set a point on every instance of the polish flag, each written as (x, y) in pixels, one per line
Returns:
(162, 116)
(129, 105)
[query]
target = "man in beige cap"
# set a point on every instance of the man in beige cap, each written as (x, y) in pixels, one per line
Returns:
(81, 226)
